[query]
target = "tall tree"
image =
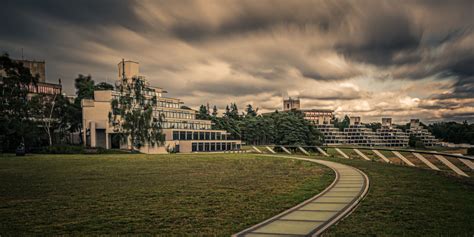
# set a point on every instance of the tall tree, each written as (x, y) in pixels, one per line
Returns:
(203, 113)
(250, 111)
(84, 88)
(15, 123)
(132, 114)
(214, 111)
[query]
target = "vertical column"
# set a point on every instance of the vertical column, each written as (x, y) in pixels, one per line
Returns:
(93, 134)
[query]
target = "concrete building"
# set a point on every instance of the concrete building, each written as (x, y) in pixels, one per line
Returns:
(183, 132)
(423, 134)
(386, 136)
(316, 116)
(291, 104)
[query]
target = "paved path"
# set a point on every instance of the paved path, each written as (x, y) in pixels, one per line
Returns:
(316, 214)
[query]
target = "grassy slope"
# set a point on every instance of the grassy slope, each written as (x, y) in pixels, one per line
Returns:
(411, 202)
(180, 194)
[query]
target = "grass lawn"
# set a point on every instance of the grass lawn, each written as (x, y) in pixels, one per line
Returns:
(209, 194)
(405, 201)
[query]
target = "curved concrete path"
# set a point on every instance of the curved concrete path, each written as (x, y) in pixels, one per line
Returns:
(316, 214)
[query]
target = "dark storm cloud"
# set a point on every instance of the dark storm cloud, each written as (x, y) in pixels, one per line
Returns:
(22, 18)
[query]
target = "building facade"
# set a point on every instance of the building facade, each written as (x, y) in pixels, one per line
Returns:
(183, 132)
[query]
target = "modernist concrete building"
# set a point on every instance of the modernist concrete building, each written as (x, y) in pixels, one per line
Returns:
(183, 132)
(423, 134)
(386, 136)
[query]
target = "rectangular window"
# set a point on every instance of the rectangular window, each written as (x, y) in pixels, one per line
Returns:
(194, 147)
(229, 146)
(175, 135)
(224, 137)
(213, 136)
(201, 136)
(201, 146)
(218, 146)
(195, 136)
(223, 146)
(218, 136)
(182, 135)
(208, 135)
(213, 146)
(189, 135)
(206, 146)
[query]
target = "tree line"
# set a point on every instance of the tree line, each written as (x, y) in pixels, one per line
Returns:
(280, 128)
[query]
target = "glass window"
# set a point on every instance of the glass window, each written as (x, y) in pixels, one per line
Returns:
(201, 136)
(218, 146)
(229, 146)
(182, 135)
(175, 135)
(189, 135)
(193, 146)
(195, 136)
(224, 137)
(218, 136)
(213, 146)
(201, 146)
(206, 146)
(208, 135)
(223, 146)
(213, 136)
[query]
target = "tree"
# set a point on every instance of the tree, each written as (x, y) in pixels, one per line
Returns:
(214, 111)
(343, 124)
(250, 111)
(43, 110)
(203, 113)
(103, 86)
(84, 88)
(132, 114)
(15, 124)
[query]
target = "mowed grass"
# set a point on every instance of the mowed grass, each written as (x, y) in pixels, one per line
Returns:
(407, 201)
(210, 194)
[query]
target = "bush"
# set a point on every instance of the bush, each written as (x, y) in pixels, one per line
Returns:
(70, 149)
(62, 149)
(470, 151)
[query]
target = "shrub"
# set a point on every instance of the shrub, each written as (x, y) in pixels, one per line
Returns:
(61, 149)
(470, 151)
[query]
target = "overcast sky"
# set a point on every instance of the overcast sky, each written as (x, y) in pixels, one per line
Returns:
(401, 59)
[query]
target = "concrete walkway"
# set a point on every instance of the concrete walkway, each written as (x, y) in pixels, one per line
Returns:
(316, 214)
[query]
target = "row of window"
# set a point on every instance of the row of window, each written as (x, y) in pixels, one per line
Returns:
(188, 125)
(168, 104)
(190, 135)
(174, 114)
(214, 146)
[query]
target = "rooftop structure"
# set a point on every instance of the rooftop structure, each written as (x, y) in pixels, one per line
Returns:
(183, 132)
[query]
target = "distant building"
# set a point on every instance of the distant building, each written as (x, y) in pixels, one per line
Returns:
(316, 116)
(423, 134)
(386, 136)
(41, 87)
(183, 132)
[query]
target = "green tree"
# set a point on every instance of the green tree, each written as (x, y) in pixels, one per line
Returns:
(203, 113)
(250, 111)
(214, 111)
(132, 114)
(84, 88)
(15, 123)
(103, 86)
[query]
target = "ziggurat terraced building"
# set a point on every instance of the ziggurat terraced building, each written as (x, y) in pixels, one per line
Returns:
(183, 132)
(357, 133)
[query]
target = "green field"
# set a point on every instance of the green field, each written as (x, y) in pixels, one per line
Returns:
(216, 194)
(405, 201)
